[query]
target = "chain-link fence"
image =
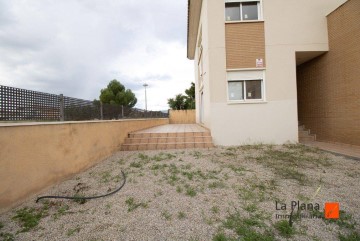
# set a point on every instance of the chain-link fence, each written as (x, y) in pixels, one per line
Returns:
(27, 105)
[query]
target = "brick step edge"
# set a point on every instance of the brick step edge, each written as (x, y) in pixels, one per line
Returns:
(166, 146)
(167, 135)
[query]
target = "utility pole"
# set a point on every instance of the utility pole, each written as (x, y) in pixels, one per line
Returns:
(145, 85)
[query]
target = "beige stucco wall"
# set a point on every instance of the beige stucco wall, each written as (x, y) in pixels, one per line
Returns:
(182, 117)
(290, 26)
(35, 156)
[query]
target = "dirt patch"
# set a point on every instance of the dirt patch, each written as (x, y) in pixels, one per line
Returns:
(216, 194)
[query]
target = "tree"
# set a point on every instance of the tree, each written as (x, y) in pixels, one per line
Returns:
(190, 98)
(178, 103)
(183, 102)
(116, 94)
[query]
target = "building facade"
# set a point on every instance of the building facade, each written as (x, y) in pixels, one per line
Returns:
(248, 55)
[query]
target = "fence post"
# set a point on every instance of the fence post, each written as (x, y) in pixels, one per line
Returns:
(62, 106)
(122, 111)
(101, 111)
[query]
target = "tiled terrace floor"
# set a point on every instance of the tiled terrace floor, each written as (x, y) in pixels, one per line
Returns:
(337, 148)
(174, 128)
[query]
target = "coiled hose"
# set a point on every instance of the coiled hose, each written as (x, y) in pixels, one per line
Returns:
(87, 198)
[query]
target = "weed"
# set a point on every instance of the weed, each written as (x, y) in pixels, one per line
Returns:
(158, 166)
(1, 225)
(61, 211)
(215, 209)
(217, 185)
(7, 236)
(136, 164)
(345, 220)
(79, 198)
(72, 231)
(132, 205)
(121, 161)
(106, 177)
(351, 237)
(189, 175)
(181, 215)
(251, 208)
(166, 215)
(196, 154)
(244, 227)
(179, 189)
(221, 237)
(303, 198)
(190, 191)
(158, 193)
(163, 156)
(238, 170)
(143, 157)
(284, 228)
(29, 217)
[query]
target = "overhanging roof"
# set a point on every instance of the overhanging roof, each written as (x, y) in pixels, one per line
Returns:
(194, 10)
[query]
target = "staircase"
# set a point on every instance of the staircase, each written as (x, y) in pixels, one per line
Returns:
(304, 135)
(164, 141)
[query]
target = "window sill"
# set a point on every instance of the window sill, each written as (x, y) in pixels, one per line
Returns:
(236, 102)
(244, 21)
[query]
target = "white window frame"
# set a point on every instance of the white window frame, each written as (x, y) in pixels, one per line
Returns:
(260, 11)
(246, 75)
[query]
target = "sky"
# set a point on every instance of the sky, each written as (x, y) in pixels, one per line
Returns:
(76, 47)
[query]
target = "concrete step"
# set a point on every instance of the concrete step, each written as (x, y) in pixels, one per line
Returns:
(165, 146)
(307, 138)
(156, 140)
(164, 141)
(170, 134)
(304, 134)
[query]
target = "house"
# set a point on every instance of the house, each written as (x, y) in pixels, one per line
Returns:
(264, 66)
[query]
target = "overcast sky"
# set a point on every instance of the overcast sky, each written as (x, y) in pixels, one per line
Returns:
(75, 47)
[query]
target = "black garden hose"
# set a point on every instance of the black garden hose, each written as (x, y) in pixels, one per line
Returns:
(87, 198)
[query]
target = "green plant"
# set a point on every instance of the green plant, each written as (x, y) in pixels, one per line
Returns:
(79, 198)
(105, 177)
(1, 225)
(350, 237)
(217, 184)
(143, 157)
(179, 189)
(7, 236)
(71, 232)
(61, 211)
(251, 208)
(215, 209)
(181, 215)
(29, 217)
(221, 237)
(345, 220)
(136, 164)
(166, 215)
(244, 227)
(190, 191)
(132, 205)
(284, 228)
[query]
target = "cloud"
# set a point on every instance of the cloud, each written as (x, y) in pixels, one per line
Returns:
(76, 47)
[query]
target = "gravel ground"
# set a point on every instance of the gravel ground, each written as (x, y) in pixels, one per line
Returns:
(215, 194)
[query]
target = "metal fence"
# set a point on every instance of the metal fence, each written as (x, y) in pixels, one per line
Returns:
(27, 105)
